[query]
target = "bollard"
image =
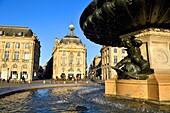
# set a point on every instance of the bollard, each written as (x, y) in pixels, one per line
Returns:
(64, 82)
(44, 82)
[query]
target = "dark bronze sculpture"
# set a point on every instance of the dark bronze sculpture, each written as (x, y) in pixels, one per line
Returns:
(133, 66)
(104, 21)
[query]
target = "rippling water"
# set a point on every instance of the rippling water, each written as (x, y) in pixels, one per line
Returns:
(65, 100)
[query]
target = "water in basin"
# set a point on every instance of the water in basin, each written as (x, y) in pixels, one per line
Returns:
(67, 99)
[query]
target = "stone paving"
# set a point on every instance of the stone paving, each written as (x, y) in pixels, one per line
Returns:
(10, 88)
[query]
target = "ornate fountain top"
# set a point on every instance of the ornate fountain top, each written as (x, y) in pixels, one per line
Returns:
(104, 21)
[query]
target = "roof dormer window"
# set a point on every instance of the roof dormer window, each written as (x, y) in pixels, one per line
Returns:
(20, 34)
(1, 33)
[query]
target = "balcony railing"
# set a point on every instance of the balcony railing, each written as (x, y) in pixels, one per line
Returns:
(25, 60)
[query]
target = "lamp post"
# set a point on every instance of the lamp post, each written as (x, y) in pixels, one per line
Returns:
(7, 74)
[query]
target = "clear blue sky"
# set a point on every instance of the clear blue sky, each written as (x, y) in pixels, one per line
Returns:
(48, 19)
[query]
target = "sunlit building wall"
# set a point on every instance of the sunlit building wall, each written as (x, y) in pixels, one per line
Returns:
(95, 68)
(19, 53)
(69, 57)
(110, 57)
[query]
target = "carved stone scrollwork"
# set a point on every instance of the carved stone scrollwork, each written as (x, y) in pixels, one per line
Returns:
(160, 57)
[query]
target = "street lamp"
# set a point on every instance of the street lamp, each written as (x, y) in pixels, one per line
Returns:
(7, 74)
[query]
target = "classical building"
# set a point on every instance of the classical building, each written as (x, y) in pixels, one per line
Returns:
(19, 53)
(95, 68)
(69, 57)
(110, 57)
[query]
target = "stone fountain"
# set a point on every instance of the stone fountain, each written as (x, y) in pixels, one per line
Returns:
(143, 28)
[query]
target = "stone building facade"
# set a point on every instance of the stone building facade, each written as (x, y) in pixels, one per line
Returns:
(69, 57)
(110, 57)
(19, 53)
(95, 68)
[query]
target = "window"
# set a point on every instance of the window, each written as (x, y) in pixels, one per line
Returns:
(123, 51)
(63, 61)
(27, 46)
(6, 55)
(78, 62)
(64, 54)
(115, 50)
(71, 60)
(1, 33)
(115, 59)
(78, 54)
(17, 45)
(16, 56)
(26, 55)
(7, 45)
(20, 34)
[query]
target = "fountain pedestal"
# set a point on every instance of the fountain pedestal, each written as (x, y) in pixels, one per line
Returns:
(163, 86)
(156, 88)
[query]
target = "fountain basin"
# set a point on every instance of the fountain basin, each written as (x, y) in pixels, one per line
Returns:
(87, 99)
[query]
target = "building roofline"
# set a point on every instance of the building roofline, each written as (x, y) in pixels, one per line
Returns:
(14, 26)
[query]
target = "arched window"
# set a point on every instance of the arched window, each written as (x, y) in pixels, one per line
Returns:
(27, 46)
(6, 55)
(7, 45)
(16, 55)
(17, 45)
(1, 33)
(19, 33)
